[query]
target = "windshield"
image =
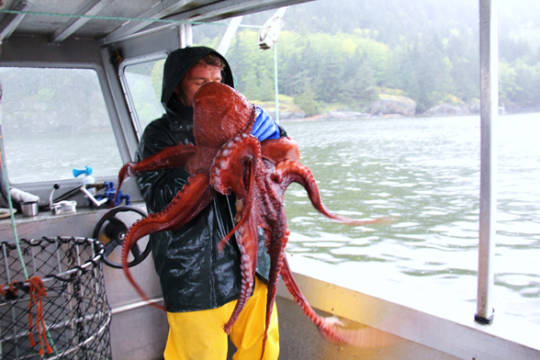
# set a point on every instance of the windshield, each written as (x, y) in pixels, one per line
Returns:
(54, 121)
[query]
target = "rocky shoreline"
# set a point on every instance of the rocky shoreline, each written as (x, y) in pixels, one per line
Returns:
(394, 106)
(439, 110)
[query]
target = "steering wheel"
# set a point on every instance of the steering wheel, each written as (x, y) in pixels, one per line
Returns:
(111, 231)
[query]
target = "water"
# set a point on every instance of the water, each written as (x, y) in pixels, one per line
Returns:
(424, 173)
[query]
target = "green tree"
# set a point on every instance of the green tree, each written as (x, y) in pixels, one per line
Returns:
(307, 102)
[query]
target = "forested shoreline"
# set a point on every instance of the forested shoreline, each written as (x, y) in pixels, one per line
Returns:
(347, 55)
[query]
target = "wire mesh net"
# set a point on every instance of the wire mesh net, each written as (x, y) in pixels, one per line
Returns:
(61, 311)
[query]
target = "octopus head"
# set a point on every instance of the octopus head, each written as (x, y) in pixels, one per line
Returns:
(220, 113)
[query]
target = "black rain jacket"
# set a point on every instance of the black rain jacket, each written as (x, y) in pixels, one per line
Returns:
(194, 274)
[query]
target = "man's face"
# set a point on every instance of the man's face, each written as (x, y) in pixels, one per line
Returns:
(196, 77)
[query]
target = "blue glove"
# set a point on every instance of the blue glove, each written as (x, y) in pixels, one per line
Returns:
(264, 127)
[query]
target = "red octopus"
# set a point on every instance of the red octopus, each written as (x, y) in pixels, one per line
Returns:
(228, 159)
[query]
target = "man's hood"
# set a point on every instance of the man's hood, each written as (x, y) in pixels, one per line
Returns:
(178, 64)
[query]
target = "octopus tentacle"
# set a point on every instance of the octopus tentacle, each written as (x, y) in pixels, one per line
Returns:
(280, 149)
(188, 203)
(240, 157)
(172, 156)
(229, 164)
(235, 158)
(246, 240)
(364, 337)
(328, 330)
(276, 249)
(288, 171)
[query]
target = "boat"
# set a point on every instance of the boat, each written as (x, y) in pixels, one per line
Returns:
(107, 44)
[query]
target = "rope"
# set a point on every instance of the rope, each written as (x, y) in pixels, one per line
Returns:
(10, 206)
(37, 292)
(37, 284)
(276, 86)
(10, 293)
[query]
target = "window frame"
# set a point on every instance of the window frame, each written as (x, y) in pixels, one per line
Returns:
(154, 57)
(97, 88)
(43, 189)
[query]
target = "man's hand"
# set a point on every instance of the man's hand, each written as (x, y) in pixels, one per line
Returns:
(264, 127)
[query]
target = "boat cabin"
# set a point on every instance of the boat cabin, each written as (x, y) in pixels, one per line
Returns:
(80, 80)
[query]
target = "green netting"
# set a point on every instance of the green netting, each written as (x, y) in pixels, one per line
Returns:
(75, 312)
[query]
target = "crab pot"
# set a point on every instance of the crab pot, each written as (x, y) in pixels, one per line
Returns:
(58, 309)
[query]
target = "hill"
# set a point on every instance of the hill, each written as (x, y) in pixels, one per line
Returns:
(347, 54)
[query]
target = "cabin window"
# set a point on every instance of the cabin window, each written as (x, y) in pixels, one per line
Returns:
(143, 82)
(55, 120)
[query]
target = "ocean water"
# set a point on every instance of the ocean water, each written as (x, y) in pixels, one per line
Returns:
(424, 174)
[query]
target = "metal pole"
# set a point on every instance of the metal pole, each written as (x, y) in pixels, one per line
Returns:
(227, 38)
(488, 114)
(186, 35)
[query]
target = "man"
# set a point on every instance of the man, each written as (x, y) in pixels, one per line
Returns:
(199, 282)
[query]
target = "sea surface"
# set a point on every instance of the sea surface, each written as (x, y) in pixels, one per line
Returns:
(424, 174)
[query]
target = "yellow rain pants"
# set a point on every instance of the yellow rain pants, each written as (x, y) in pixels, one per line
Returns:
(199, 335)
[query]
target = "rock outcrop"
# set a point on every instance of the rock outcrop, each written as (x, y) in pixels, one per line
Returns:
(446, 109)
(392, 105)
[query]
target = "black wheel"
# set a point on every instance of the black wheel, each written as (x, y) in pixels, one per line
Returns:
(111, 231)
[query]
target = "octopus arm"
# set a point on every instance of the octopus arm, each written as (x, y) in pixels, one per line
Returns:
(247, 241)
(247, 202)
(283, 148)
(276, 249)
(228, 172)
(329, 331)
(234, 169)
(170, 157)
(360, 337)
(289, 171)
(194, 197)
